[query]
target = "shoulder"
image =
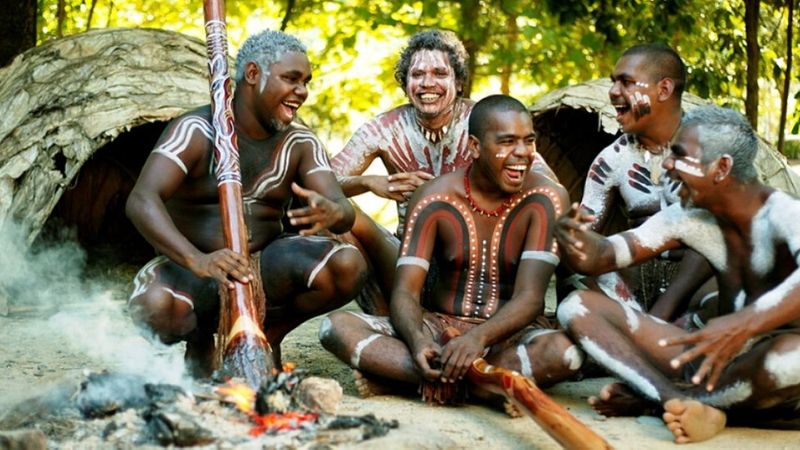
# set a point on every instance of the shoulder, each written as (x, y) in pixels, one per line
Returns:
(621, 145)
(781, 212)
(198, 119)
(298, 135)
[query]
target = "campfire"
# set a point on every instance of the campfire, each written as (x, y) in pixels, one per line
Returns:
(116, 410)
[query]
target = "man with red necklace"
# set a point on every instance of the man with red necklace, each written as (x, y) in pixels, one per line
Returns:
(416, 142)
(490, 227)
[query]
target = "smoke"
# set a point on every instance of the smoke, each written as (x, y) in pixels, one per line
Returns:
(87, 315)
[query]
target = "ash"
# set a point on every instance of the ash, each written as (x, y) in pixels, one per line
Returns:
(123, 411)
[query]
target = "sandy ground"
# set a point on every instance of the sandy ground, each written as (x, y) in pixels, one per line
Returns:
(40, 345)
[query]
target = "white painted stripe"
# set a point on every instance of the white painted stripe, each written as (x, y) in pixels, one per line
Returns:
(573, 357)
(524, 361)
(324, 261)
(784, 367)
(413, 261)
(539, 255)
(356, 358)
(180, 297)
(631, 376)
(729, 395)
(681, 166)
(570, 308)
(622, 253)
(173, 158)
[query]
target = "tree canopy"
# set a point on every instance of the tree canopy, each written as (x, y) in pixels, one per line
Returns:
(525, 48)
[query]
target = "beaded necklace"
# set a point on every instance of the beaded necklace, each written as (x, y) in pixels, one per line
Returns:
(484, 212)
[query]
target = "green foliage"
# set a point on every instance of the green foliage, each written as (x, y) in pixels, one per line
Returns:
(533, 46)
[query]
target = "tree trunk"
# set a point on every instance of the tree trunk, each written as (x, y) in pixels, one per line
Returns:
(508, 67)
(471, 37)
(751, 11)
(787, 78)
(17, 29)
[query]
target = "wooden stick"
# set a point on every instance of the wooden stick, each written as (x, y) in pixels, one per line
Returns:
(562, 426)
(245, 350)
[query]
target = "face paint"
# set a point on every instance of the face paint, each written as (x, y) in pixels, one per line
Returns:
(642, 84)
(570, 308)
(628, 374)
(682, 166)
(784, 368)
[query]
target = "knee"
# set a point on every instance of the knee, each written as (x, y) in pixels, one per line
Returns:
(572, 310)
(332, 330)
(349, 270)
(159, 313)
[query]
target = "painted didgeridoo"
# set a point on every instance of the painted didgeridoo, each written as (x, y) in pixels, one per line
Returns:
(244, 347)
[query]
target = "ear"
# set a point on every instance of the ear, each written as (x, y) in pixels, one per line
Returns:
(724, 167)
(666, 87)
(474, 146)
(252, 73)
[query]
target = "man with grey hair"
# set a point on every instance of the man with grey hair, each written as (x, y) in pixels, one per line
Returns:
(175, 206)
(745, 358)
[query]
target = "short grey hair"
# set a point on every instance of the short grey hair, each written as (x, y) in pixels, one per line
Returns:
(265, 48)
(722, 131)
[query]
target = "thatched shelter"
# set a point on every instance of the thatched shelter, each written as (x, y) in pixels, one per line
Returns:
(80, 115)
(575, 123)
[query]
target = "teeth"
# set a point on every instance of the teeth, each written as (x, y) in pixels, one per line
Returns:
(519, 167)
(427, 97)
(292, 105)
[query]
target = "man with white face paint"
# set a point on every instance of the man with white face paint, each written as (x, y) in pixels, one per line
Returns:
(647, 85)
(175, 205)
(490, 226)
(747, 357)
(416, 142)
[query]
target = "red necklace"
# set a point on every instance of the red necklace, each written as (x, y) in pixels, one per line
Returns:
(484, 212)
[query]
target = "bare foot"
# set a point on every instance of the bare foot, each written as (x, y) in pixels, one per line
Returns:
(368, 385)
(692, 421)
(618, 400)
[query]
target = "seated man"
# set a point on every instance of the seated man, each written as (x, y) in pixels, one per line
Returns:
(489, 225)
(744, 359)
(175, 205)
(647, 86)
(415, 142)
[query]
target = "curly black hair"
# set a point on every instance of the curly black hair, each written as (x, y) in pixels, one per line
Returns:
(445, 41)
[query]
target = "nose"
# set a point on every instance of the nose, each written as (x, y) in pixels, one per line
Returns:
(524, 149)
(669, 161)
(301, 90)
(614, 90)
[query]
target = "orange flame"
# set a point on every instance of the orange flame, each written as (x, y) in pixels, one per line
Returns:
(241, 395)
(244, 397)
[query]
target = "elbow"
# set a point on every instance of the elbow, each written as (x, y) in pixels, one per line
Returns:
(347, 219)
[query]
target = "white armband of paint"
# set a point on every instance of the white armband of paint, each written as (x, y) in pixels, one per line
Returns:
(174, 158)
(319, 169)
(622, 253)
(540, 255)
(413, 261)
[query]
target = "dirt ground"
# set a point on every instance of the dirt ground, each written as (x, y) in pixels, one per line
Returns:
(82, 326)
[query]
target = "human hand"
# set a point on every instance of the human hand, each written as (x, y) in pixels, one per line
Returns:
(571, 231)
(426, 357)
(320, 212)
(223, 265)
(719, 342)
(458, 355)
(398, 186)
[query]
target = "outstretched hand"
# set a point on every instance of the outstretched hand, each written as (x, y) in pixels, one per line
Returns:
(398, 186)
(320, 212)
(719, 342)
(223, 265)
(572, 231)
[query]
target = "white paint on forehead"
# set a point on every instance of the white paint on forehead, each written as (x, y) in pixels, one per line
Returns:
(729, 395)
(695, 227)
(426, 59)
(784, 367)
(573, 357)
(570, 308)
(622, 253)
(630, 375)
(682, 166)
(738, 302)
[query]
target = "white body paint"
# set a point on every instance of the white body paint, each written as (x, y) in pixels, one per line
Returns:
(640, 383)
(573, 357)
(622, 253)
(325, 328)
(729, 395)
(413, 261)
(784, 367)
(682, 166)
(771, 228)
(181, 137)
(541, 255)
(355, 359)
(571, 307)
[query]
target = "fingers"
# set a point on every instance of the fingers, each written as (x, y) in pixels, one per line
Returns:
(226, 265)
(423, 361)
